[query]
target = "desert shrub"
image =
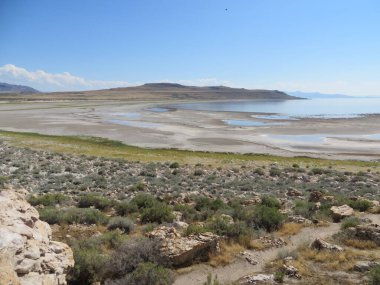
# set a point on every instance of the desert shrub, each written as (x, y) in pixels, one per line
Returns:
(88, 265)
(90, 255)
(126, 258)
(279, 277)
(350, 222)
(304, 208)
(360, 205)
(268, 218)
(271, 202)
(124, 224)
(143, 201)
(198, 172)
(317, 171)
(48, 199)
(174, 165)
(94, 200)
(72, 216)
(158, 213)
(274, 171)
(124, 208)
(195, 229)
(207, 203)
(3, 180)
(188, 212)
(223, 227)
(374, 276)
(147, 274)
(140, 186)
(259, 171)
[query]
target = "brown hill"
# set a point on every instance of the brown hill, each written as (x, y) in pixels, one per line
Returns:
(160, 91)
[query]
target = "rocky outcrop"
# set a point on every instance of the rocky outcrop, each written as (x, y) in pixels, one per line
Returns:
(367, 232)
(258, 279)
(26, 248)
(181, 251)
(363, 266)
(320, 244)
(341, 212)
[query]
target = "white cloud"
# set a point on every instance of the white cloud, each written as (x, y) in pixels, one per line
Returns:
(45, 81)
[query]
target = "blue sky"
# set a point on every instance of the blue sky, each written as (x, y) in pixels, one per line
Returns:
(330, 46)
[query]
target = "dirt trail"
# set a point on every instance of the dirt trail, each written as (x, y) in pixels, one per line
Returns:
(240, 267)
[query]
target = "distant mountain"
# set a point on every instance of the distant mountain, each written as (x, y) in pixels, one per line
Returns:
(316, 95)
(178, 91)
(158, 92)
(11, 88)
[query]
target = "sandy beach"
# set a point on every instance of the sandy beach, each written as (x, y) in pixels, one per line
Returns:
(140, 124)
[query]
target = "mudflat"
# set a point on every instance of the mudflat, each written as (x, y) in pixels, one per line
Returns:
(142, 124)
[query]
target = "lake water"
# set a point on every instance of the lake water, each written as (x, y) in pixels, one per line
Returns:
(325, 108)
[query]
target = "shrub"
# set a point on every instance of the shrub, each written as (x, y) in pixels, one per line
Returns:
(126, 258)
(48, 199)
(271, 202)
(304, 208)
(3, 180)
(350, 222)
(88, 265)
(195, 229)
(94, 200)
(124, 208)
(174, 165)
(279, 277)
(72, 216)
(158, 213)
(268, 218)
(360, 205)
(374, 276)
(143, 201)
(123, 224)
(274, 171)
(198, 172)
(207, 203)
(147, 274)
(259, 171)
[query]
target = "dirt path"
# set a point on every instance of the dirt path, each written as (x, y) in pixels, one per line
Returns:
(240, 267)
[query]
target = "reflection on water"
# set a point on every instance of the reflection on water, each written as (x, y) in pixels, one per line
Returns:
(158, 109)
(321, 138)
(325, 108)
(136, 124)
(131, 115)
(275, 117)
(246, 123)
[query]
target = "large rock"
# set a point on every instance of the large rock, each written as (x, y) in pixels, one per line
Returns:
(320, 244)
(181, 251)
(26, 245)
(367, 232)
(341, 212)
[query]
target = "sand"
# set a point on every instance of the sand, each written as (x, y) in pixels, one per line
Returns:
(134, 124)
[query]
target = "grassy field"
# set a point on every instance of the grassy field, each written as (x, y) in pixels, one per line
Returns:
(94, 146)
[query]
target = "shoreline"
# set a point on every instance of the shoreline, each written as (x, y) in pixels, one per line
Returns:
(197, 130)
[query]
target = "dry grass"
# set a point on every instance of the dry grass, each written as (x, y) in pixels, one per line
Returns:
(289, 229)
(257, 245)
(360, 244)
(227, 254)
(332, 260)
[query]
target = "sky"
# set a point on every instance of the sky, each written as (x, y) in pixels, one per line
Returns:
(328, 46)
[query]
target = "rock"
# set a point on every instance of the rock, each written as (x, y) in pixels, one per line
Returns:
(320, 244)
(181, 251)
(368, 232)
(316, 196)
(341, 212)
(180, 225)
(249, 258)
(299, 220)
(258, 279)
(25, 243)
(290, 271)
(293, 193)
(363, 266)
